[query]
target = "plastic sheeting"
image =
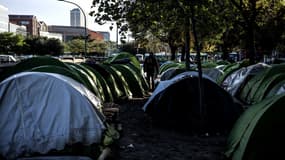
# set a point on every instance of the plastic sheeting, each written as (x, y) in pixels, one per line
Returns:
(233, 81)
(45, 111)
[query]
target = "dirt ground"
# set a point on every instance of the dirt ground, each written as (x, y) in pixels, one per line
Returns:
(141, 140)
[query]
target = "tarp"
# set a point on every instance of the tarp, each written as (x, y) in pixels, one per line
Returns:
(260, 86)
(230, 68)
(175, 103)
(259, 132)
(235, 80)
(214, 73)
(44, 111)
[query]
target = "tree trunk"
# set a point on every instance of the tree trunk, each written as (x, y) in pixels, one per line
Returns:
(183, 54)
(187, 41)
(203, 111)
(173, 50)
(250, 43)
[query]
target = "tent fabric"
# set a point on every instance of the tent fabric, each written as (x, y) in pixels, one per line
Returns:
(175, 103)
(45, 111)
(230, 68)
(132, 78)
(259, 86)
(214, 73)
(278, 89)
(170, 73)
(32, 63)
(259, 131)
(98, 69)
(235, 80)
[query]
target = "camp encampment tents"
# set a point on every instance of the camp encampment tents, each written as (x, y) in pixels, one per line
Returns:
(175, 103)
(40, 112)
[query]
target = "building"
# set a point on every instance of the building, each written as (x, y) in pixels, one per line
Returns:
(106, 35)
(6, 26)
(43, 31)
(76, 18)
(33, 26)
(30, 21)
(4, 20)
(71, 32)
(42, 26)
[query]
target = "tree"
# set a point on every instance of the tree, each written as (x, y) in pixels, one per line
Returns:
(75, 46)
(226, 24)
(10, 43)
(42, 46)
(253, 15)
(98, 47)
(54, 46)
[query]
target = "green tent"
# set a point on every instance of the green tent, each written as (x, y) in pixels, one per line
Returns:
(132, 78)
(259, 133)
(261, 85)
(120, 80)
(96, 81)
(170, 64)
(123, 57)
(100, 69)
(230, 68)
(31, 63)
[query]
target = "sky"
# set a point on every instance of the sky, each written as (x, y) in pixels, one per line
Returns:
(54, 12)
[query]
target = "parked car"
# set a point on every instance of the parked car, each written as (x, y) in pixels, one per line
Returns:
(7, 59)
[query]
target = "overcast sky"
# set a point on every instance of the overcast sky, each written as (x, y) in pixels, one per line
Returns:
(54, 12)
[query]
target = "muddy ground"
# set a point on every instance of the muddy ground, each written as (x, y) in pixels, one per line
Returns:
(141, 140)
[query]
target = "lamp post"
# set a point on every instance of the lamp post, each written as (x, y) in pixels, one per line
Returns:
(85, 28)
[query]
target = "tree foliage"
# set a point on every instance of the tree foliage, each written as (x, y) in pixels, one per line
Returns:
(75, 46)
(223, 25)
(42, 46)
(10, 43)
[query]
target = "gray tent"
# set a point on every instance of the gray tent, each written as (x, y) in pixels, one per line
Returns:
(40, 112)
(175, 103)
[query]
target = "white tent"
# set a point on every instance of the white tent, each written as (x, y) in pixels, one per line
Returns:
(44, 111)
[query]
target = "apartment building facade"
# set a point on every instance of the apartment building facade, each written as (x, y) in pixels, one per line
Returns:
(70, 32)
(30, 21)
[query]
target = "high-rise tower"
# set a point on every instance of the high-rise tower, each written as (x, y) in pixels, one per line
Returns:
(76, 17)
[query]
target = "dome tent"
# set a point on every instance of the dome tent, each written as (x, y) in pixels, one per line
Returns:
(175, 103)
(100, 69)
(259, 131)
(261, 85)
(234, 82)
(171, 72)
(32, 63)
(53, 65)
(41, 112)
(214, 73)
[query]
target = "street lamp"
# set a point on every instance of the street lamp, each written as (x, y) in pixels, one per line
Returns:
(85, 28)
